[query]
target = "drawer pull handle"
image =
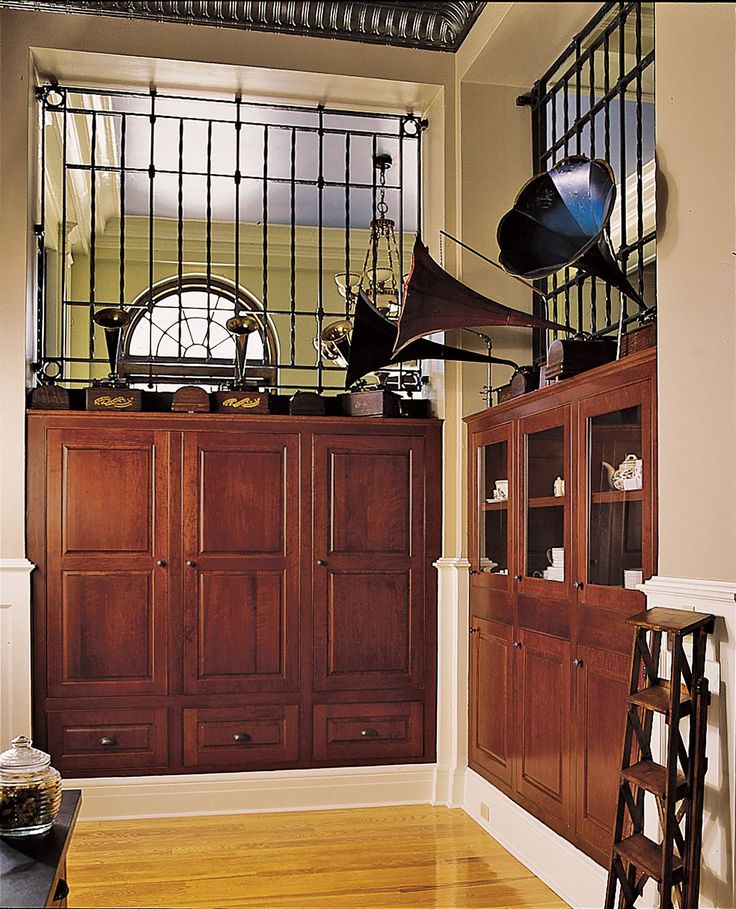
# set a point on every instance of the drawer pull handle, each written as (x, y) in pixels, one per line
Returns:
(241, 737)
(107, 741)
(369, 732)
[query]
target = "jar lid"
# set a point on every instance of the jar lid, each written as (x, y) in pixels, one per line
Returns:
(22, 757)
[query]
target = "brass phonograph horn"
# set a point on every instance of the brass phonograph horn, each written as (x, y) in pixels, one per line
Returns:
(113, 320)
(334, 341)
(241, 327)
(435, 301)
(559, 219)
(372, 343)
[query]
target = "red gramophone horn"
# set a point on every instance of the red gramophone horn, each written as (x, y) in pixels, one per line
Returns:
(435, 301)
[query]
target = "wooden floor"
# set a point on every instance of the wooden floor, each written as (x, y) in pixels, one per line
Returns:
(413, 856)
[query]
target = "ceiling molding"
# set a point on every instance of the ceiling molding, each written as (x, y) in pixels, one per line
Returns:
(439, 26)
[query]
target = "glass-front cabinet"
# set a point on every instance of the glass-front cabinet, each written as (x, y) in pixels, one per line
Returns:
(562, 532)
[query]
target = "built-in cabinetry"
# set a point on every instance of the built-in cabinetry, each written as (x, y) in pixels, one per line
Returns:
(232, 592)
(551, 567)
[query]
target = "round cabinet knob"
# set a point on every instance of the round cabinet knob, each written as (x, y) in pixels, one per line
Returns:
(578, 585)
(518, 577)
(191, 563)
(369, 733)
(473, 630)
(108, 741)
(577, 662)
(241, 737)
(518, 645)
(161, 563)
(321, 562)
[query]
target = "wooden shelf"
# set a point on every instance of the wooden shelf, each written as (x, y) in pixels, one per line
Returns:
(617, 495)
(495, 506)
(547, 502)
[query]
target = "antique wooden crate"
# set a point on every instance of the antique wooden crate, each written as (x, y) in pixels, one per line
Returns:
(113, 398)
(50, 397)
(191, 399)
(241, 401)
(378, 403)
(639, 339)
(567, 358)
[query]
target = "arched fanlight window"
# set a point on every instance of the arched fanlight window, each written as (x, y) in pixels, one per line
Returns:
(178, 334)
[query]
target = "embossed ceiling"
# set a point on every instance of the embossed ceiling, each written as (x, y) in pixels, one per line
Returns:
(428, 25)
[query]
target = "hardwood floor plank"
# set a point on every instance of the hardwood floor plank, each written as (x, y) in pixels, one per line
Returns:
(410, 856)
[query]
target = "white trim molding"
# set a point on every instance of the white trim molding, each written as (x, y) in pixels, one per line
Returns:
(452, 681)
(718, 885)
(575, 877)
(15, 649)
(247, 793)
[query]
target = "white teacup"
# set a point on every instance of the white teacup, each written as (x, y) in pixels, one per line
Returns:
(502, 489)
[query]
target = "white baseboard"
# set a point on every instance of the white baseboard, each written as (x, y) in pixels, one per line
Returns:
(573, 876)
(242, 793)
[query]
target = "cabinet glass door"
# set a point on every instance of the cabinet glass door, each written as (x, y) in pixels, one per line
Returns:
(546, 477)
(618, 532)
(492, 489)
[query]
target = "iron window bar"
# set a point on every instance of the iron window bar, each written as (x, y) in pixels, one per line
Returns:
(93, 109)
(598, 120)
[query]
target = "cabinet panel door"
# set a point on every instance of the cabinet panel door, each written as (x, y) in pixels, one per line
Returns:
(107, 594)
(240, 542)
(544, 723)
(369, 562)
(491, 730)
(601, 687)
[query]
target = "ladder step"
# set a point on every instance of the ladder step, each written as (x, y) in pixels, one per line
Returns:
(676, 621)
(653, 778)
(657, 697)
(647, 856)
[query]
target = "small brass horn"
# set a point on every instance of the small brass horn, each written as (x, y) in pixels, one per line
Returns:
(113, 320)
(241, 327)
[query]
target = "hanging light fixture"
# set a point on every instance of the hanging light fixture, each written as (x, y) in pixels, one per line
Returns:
(380, 278)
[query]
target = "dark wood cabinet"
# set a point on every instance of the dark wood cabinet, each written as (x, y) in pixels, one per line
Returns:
(233, 592)
(549, 645)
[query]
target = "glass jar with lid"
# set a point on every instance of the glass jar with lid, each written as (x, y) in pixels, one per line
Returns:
(30, 790)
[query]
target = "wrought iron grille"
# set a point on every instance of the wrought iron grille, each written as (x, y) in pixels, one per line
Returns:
(597, 99)
(152, 202)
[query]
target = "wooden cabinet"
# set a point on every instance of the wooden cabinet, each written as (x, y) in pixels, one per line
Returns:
(550, 648)
(223, 593)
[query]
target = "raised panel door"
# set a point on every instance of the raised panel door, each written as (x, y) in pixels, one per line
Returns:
(108, 561)
(368, 562)
(543, 685)
(491, 699)
(601, 687)
(240, 541)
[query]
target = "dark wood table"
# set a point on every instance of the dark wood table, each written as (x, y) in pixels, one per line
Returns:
(33, 868)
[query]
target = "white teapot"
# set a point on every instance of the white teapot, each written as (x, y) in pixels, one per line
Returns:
(629, 473)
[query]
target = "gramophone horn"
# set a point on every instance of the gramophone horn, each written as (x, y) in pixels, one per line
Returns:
(241, 327)
(559, 220)
(334, 341)
(371, 347)
(435, 301)
(113, 320)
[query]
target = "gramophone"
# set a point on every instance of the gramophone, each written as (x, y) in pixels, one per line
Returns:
(239, 396)
(112, 393)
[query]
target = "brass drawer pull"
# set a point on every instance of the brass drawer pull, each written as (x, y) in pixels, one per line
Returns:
(241, 737)
(369, 732)
(107, 741)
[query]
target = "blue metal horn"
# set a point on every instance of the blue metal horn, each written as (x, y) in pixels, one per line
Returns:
(559, 220)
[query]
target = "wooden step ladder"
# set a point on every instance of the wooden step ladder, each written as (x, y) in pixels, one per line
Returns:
(674, 863)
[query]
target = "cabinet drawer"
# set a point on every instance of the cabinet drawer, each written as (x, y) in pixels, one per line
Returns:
(91, 740)
(240, 736)
(368, 731)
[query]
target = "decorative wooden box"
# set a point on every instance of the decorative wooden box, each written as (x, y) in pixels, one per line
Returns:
(191, 399)
(241, 401)
(567, 358)
(379, 403)
(50, 397)
(639, 339)
(307, 404)
(112, 398)
(524, 380)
